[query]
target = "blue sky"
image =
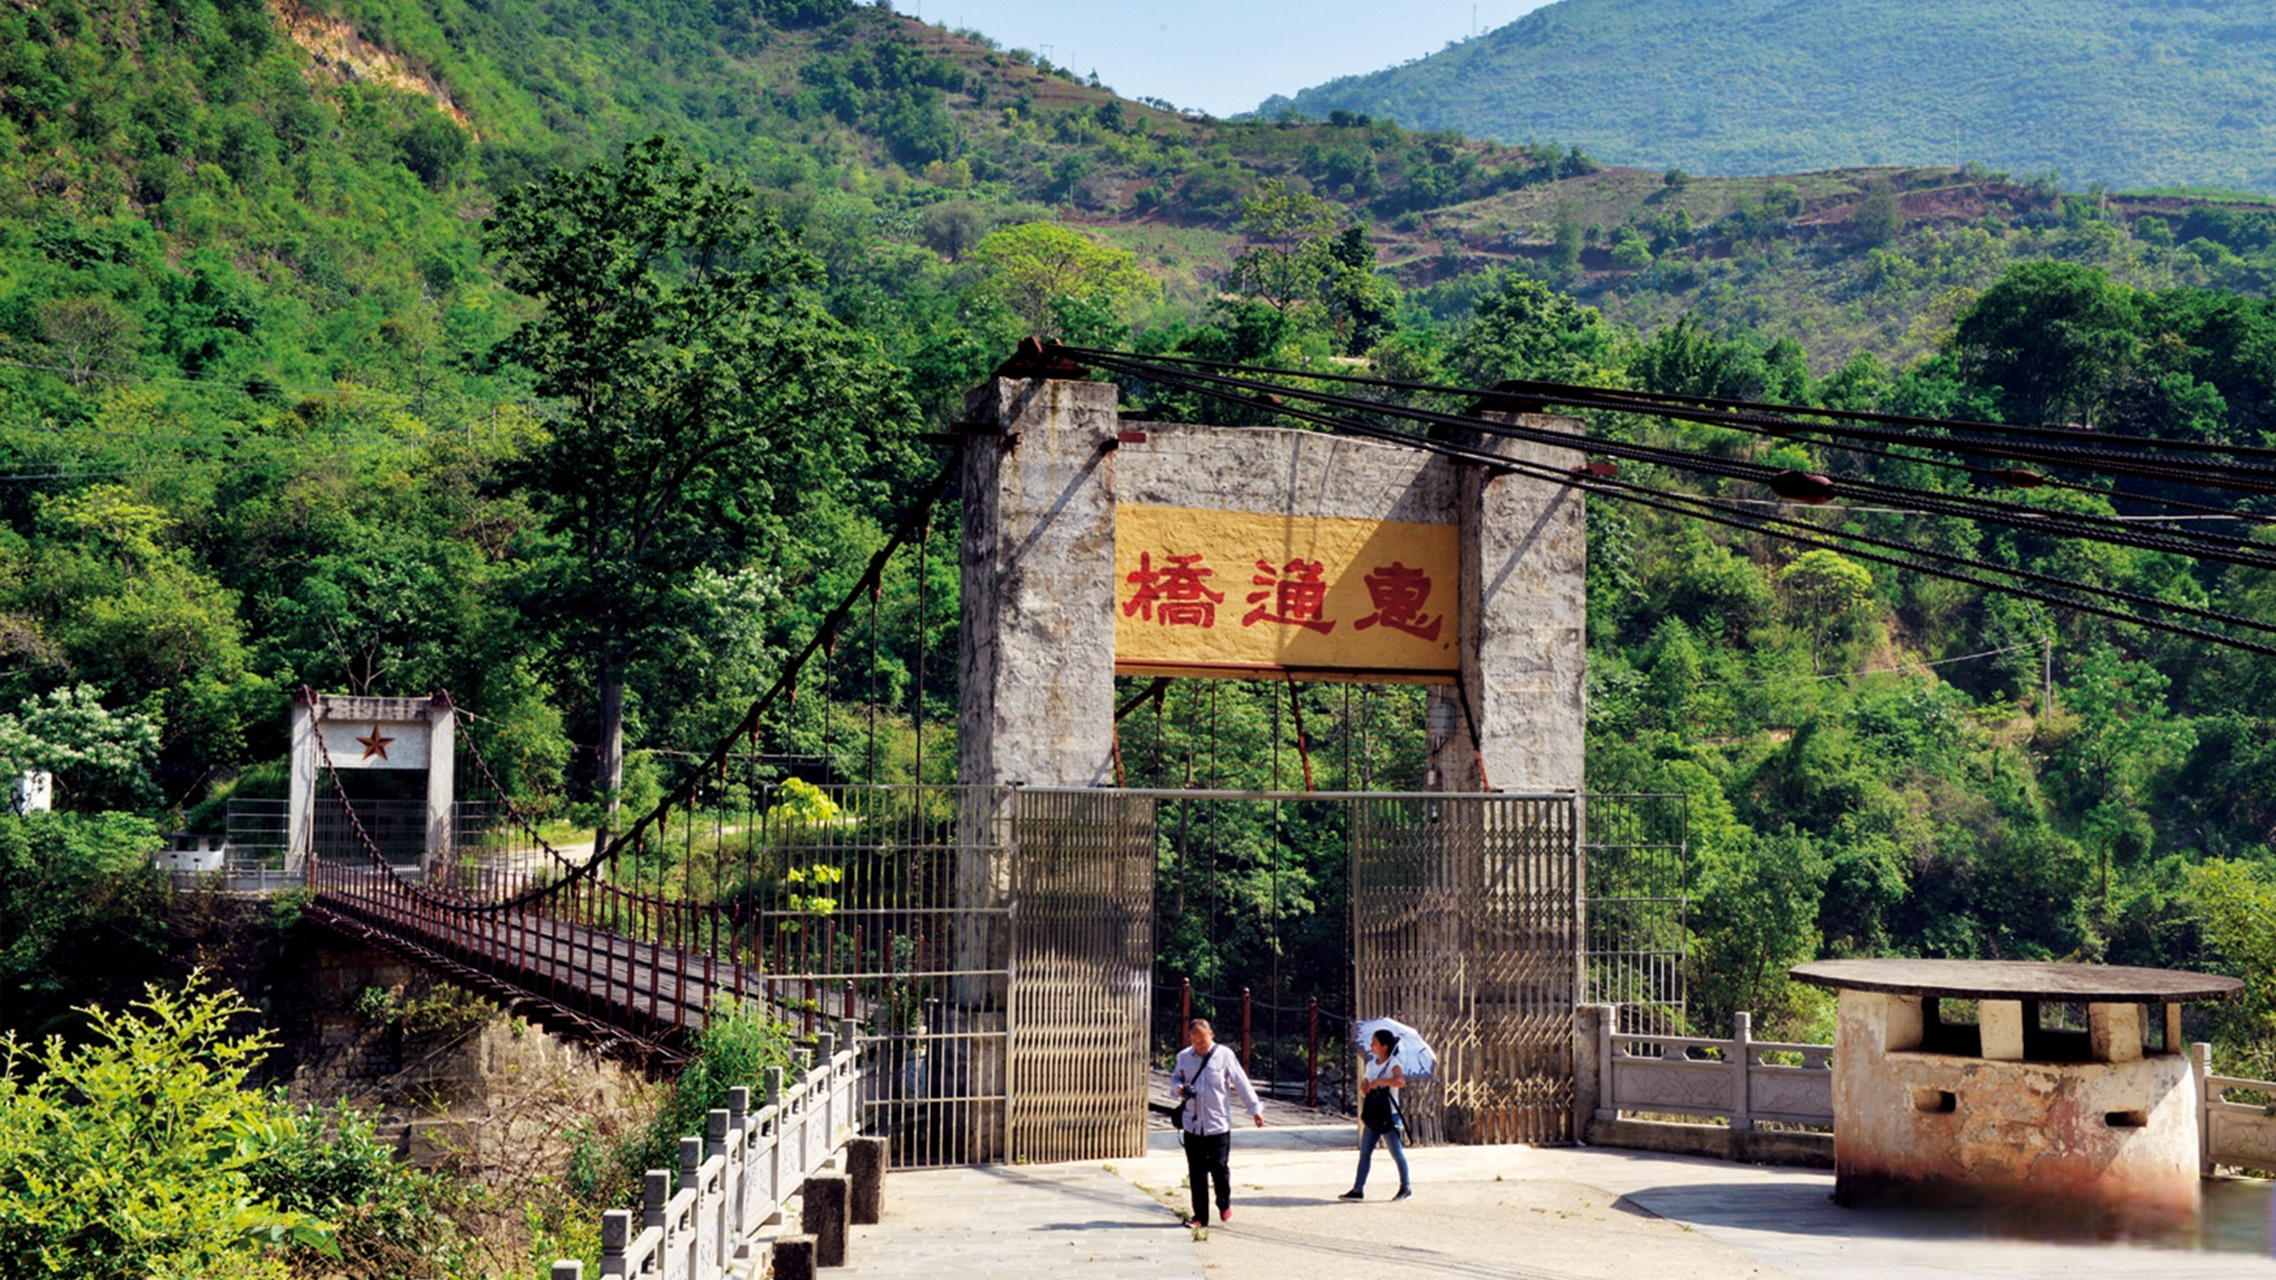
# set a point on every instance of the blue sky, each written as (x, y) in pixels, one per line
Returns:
(1221, 57)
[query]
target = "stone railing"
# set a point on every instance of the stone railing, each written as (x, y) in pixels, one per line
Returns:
(1619, 1075)
(735, 1184)
(1702, 1076)
(2240, 1135)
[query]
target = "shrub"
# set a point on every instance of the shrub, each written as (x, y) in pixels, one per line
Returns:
(133, 1155)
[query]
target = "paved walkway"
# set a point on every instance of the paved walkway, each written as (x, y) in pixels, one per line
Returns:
(1480, 1213)
(1067, 1222)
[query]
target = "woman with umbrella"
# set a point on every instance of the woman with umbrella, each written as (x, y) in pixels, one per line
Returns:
(1379, 1116)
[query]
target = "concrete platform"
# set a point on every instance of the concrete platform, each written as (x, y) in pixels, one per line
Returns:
(1483, 1213)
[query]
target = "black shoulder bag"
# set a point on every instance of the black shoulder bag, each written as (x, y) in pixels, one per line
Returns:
(1380, 1111)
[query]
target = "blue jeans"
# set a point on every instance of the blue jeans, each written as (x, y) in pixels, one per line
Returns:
(1367, 1154)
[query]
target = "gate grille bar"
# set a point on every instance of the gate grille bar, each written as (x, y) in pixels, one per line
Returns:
(1465, 922)
(1082, 974)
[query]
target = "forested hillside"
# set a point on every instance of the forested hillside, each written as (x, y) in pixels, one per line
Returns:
(287, 398)
(2128, 92)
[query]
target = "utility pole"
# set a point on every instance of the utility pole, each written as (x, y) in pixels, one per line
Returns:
(2046, 676)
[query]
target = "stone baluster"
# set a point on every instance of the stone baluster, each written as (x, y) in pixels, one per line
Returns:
(1741, 1051)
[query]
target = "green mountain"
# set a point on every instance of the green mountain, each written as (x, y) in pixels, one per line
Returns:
(261, 425)
(2124, 92)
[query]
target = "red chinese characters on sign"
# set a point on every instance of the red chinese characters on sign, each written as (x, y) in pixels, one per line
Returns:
(1399, 594)
(1173, 595)
(1293, 595)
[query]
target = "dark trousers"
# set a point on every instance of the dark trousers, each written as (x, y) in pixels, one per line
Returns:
(1206, 1160)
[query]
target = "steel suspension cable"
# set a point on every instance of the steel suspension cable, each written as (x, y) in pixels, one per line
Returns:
(2075, 454)
(2189, 543)
(1567, 393)
(1709, 509)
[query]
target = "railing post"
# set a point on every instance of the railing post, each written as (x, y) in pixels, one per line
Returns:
(616, 1237)
(1742, 1069)
(701, 1250)
(1244, 1028)
(1185, 1009)
(739, 1131)
(845, 1087)
(568, 1269)
(774, 1149)
(1588, 1073)
(2200, 1073)
(655, 1193)
(1607, 1103)
(1312, 1054)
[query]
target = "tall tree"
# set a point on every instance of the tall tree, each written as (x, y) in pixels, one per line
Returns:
(1029, 267)
(704, 399)
(2053, 337)
(1290, 256)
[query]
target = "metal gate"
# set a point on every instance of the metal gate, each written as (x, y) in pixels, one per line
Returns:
(1081, 974)
(1465, 924)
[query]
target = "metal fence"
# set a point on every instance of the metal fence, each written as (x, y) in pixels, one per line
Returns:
(997, 946)
(1082, 974)
(885, 904)
(1296, 1053)
(1637, 909)
(1465, 923)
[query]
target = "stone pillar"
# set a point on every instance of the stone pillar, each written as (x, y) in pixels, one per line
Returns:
(2001, 1024)
(2114, 1032)
(866, 1159)
(1037, 688)
(794, 1258)
(1904, 1021)
(2201, 1091)
(824, 1218)
(1520, 706)
(1036, 659)
(1592, 1042)
(442, 779)
(300, 808)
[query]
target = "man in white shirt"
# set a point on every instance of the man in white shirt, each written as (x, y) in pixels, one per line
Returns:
(1205, 1079)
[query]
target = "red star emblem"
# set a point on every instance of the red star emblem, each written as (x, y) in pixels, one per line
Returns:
(375, 745)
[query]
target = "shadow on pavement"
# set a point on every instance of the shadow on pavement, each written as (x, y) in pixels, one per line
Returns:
(2236, 1217)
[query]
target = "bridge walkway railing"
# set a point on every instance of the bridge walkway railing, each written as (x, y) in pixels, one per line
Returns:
(742, 1182)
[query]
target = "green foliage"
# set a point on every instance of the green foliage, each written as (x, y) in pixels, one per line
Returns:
(2116, 92)
(81, 904)
(1524, 329)
(102, 759)
(387, 1218)
(1289, 259)
(707, 399)
(2051, 336)
(1757, 916)
(1830, 594)
(273, 418)
(739, 1042)
(134, 1155)
(1879, 217)
(1028, 268)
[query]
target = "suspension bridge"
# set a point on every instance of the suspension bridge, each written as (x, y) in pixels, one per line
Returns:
(997, 941)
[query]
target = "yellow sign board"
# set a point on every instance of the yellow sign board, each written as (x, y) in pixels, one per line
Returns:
(1228, 592)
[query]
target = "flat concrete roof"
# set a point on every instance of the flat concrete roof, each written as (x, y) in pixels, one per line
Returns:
(2018, 980)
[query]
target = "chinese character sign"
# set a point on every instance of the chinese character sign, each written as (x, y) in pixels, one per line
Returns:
(1204, 591)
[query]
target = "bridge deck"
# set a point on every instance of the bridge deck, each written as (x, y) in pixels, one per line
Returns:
(643, 992)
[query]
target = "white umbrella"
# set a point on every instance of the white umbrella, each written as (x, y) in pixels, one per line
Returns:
(1414, 1055)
